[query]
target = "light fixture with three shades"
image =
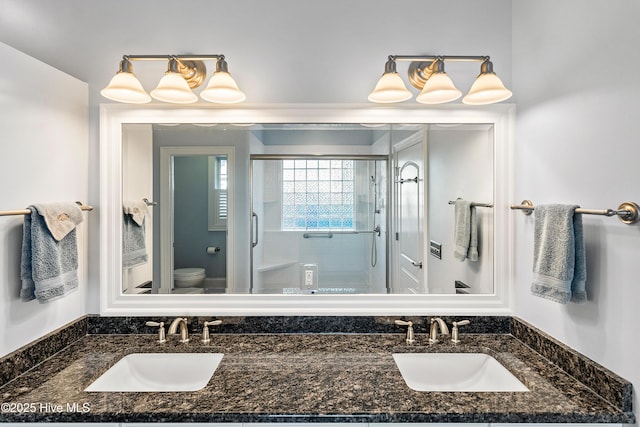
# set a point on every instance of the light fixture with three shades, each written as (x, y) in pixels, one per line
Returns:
(427, 74)
(184, 73)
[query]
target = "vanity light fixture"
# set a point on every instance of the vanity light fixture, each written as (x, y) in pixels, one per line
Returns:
(184, 73)
(427, 74)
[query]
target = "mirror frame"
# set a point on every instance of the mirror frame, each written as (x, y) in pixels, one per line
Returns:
(113, 302)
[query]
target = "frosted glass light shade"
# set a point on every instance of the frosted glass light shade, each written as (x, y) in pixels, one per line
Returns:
(175, 89)
(222, 89)
(125, 87)
(487, 89)
(438, 90)
(390, 88)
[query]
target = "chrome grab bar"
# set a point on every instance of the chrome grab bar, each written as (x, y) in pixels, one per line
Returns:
(328, 235)
(254, 243)
(414, 263)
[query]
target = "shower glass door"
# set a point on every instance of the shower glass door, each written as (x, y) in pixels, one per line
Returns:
(319, 224)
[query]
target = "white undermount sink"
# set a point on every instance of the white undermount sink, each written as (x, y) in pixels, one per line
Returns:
(158, 372)
(473, 372)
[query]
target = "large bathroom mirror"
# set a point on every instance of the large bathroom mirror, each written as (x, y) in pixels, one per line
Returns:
(313, 210)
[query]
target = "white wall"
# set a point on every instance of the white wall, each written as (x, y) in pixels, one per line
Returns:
(576, 83)
(44, 159)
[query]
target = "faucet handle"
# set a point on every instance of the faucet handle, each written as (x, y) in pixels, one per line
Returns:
(161, 334)
(410, 338)
(206, 338)
(454, 330)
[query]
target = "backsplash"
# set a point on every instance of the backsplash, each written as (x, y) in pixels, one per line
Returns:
(297, 324)
(610, 386)
(39, 350)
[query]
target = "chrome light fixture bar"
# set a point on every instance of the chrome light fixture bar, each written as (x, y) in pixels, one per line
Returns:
(184, 73)
(427, 74)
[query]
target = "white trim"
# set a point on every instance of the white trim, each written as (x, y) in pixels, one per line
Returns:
(113, 302)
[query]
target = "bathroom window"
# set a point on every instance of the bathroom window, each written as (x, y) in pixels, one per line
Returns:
(218, 202)
(318, 194)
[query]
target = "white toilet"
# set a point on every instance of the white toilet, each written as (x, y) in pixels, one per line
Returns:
(188, 278)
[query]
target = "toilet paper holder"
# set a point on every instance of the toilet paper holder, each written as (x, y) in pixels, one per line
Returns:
(212, 250)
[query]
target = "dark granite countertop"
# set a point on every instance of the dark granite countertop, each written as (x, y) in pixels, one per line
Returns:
(302, 378)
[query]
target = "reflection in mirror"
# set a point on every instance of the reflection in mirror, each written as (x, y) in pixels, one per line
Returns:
(319, 208)
(138, 224)
(198, 220)
(320, 224)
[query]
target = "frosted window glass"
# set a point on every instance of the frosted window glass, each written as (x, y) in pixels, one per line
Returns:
(319, 189)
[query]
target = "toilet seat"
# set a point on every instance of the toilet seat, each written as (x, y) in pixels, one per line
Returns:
(188, 273)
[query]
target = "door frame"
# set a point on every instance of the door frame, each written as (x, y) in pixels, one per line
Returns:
(166, 208)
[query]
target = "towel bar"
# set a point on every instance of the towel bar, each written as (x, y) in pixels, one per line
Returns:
(480, 205)
(27, 211)
(627, 212)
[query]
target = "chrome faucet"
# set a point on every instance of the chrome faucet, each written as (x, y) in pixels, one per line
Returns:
(184, 333)
(433, 330)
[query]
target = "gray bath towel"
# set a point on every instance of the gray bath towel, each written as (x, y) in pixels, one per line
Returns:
(49, 266)
(465, 231)
(559, 266)
(134, 250)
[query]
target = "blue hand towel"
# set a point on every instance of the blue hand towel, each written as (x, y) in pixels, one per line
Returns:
(465, 231)
(559, 265)
(134, 250)
(49, 266)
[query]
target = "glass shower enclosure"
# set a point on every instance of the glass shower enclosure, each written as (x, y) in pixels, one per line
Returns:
(319, 224)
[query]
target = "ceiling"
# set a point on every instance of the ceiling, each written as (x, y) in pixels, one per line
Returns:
(279, 51)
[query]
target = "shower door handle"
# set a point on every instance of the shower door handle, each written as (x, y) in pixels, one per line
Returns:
(254, 243)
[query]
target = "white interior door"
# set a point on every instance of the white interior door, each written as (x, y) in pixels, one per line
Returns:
(409, 220)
